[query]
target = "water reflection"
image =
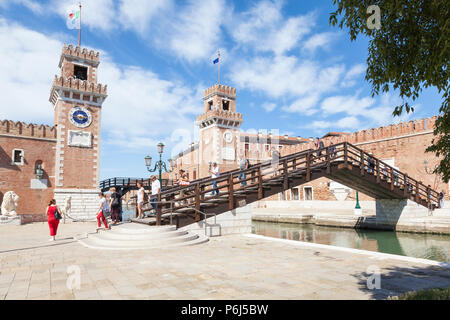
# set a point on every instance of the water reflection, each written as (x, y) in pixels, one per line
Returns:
(434, 247)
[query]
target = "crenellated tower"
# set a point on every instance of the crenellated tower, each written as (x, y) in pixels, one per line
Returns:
(77, 100)
(219, 128)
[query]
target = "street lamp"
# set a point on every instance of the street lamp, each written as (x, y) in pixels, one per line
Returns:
(159, 165)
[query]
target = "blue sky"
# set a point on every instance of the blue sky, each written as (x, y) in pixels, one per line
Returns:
(293, 72)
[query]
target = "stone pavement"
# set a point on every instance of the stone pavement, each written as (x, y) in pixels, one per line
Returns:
(229, 267)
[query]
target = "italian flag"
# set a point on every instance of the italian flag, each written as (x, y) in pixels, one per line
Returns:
(73, 18)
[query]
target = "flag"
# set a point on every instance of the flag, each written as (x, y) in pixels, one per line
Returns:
(73, 18)
(216, 61)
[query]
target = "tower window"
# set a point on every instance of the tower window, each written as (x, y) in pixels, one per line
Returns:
(210, 105)
(226, 105)
(17, 157)
(80, 72)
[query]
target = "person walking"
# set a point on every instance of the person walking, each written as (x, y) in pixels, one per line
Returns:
(371, 163)
(441, 199)
(243, 165)
(275, 161)
(54, 215)
(103, 207)
(215, 174)
(115, 204)
(140, 200)
(156, 189)
(182, 182)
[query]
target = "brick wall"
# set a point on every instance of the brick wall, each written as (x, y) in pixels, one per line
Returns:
(17, 178)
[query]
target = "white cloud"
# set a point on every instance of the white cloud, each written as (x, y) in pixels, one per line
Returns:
(319, 40)
(305, 105)
(141, 107)
(137, 14)
(31, 5)
(352, 105)
(96, 14)
(264, 28)
(194, 32)
(350, 78)
(269, 107)
(286, 77)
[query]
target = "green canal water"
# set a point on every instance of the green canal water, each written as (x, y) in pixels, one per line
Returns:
(426, 246)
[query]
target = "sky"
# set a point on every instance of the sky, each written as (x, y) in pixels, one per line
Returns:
(294, 73)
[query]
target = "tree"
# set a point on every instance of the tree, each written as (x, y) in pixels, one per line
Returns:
(408, 51)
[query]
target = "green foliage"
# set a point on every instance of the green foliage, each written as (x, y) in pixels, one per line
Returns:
(408, 53)
(431, 294)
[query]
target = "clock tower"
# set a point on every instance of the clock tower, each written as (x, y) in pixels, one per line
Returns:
(219, 129)
(77, 99)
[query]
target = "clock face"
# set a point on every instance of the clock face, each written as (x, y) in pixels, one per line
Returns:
(80, 117)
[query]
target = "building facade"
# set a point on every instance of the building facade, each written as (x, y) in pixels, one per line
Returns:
(221, 140)
(68, 152)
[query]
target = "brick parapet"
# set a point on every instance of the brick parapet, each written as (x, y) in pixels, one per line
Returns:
(27, 130)
(80, 85)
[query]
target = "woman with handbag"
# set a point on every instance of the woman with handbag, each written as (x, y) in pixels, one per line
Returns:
(54, 215)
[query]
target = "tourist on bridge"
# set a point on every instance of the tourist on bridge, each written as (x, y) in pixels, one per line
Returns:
(54, 215)
(182, 182)
(441, 199)
(371, 163)
(140, 200)
(275, 161)
(244, 164)
(156, 189)
(115, 204)
(215, 174)
(103, 207)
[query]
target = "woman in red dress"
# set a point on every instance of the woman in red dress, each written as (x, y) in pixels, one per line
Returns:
(52, 221)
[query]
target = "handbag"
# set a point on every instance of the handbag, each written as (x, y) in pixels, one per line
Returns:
(57, 214)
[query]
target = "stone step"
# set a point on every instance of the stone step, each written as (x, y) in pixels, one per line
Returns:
(131, 236)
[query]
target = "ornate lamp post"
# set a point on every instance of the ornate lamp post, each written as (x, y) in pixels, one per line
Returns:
(159, 165)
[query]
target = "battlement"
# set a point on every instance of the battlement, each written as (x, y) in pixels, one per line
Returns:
(77, 52)
(217, 113)
(221, 90)
(23, 129)
(81, 85)
(391, 131)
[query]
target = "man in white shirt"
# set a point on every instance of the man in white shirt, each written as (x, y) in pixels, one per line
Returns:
(215, 174)
(156, 189)
(140, 200)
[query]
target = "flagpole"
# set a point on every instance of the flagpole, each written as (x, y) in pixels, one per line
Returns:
(79, 29)
(219, 64)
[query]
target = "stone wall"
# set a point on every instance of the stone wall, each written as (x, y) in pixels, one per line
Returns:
(237, 221)
(84, 203)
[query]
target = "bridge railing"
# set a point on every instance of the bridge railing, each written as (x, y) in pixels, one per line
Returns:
(279, 172)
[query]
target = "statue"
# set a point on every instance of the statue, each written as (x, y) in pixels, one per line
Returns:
(9, 204)
(67, 206)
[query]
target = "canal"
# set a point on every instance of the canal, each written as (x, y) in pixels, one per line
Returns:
(426, 246)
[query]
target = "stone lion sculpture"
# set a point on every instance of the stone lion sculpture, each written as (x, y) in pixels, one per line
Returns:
(9, 204)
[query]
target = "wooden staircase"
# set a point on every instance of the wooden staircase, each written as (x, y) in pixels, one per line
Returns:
(342, 162)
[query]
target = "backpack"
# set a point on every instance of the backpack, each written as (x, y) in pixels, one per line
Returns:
(115, 203)
(145, 196)
(322, 145)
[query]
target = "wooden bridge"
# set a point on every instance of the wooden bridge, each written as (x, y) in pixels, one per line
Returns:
(342, 162)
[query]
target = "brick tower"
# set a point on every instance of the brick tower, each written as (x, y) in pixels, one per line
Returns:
(219, 129)
(77, 100)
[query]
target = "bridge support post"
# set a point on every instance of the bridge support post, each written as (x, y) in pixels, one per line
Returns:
(158, 211)
(389, 211)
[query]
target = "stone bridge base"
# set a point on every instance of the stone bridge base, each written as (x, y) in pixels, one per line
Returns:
(237, 221)
(391, 211)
